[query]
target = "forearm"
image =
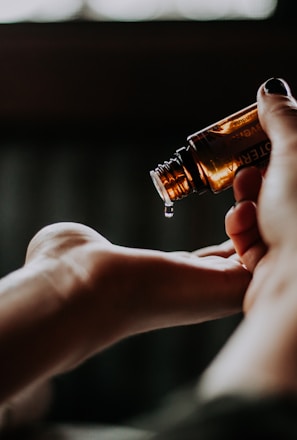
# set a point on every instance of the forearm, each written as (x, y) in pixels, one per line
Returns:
(40, 326)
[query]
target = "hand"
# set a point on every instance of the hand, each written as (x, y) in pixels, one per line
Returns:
(260, 358)
(78, 293)
(138, 289)
(264, 217)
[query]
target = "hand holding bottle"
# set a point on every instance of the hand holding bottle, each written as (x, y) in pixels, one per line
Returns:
(260, 359)
(264, 217)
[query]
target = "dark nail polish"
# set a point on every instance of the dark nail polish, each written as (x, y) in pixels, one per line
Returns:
(276, 86)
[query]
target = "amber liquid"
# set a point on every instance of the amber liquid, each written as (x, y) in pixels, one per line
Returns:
(233, 142)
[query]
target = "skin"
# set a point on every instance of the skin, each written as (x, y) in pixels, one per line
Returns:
(260, 357)
(78, 293)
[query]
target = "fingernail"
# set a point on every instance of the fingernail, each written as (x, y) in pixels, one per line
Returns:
(276, 86)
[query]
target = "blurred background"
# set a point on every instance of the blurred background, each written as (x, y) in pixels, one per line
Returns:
(93, 95)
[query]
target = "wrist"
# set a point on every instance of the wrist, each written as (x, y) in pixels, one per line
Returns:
(274, 279)
(261, 356)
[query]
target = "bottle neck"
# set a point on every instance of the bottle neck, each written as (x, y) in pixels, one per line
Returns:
(178, 177)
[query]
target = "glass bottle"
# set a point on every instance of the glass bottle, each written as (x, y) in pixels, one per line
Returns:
(212, 156)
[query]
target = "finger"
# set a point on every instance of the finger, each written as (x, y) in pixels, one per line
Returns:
(247, 184)
(225, 249)
(278, 116)
(277, 110)
(242, 227)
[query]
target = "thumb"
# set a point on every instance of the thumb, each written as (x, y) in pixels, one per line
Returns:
(277, 207)
(277, 110)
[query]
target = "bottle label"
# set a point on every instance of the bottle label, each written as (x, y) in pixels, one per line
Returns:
(254, 155)
(224, 147)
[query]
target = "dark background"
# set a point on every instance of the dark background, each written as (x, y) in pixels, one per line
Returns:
(87, 109)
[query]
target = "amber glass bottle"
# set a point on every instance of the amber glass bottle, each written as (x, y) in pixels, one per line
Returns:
(212, 156)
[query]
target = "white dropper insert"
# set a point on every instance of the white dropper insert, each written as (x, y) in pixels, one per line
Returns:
(168, 204)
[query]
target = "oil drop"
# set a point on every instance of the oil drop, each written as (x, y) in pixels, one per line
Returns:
(168, 210)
